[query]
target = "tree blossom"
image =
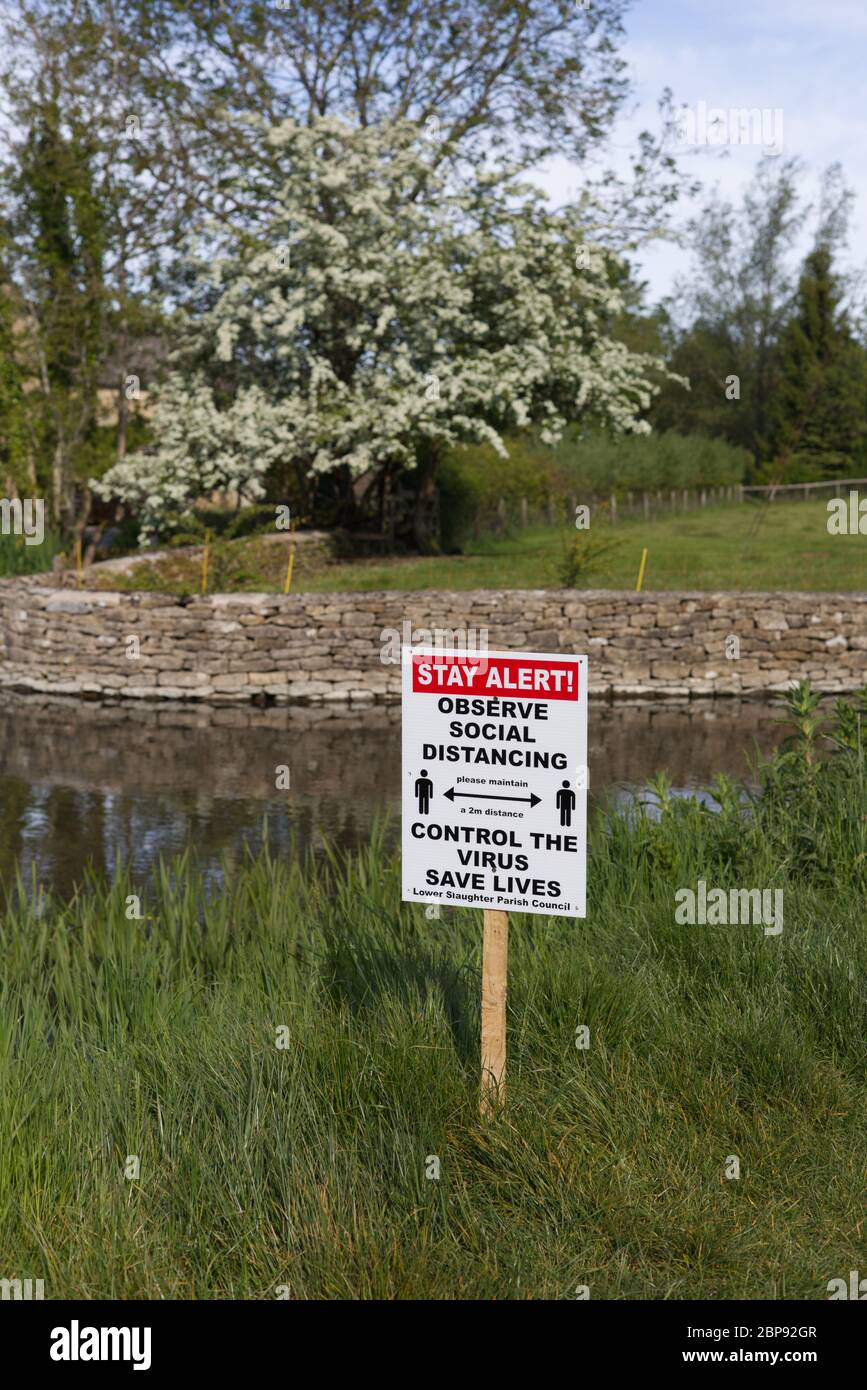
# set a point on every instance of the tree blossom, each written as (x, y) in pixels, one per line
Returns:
(379, 314)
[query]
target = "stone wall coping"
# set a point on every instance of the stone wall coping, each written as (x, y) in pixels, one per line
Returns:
(42, 584)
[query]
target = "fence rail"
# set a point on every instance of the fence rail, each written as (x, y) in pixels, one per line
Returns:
(837, 483)
(650, 503)
(634, 503)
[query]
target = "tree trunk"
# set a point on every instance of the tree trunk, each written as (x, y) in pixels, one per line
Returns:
(81, 512)
(426, 512)
(123, 345)
(58, 487)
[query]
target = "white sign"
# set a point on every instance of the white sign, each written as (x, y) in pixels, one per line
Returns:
(495, 780)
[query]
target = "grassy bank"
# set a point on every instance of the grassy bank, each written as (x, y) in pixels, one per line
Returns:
(304, 1165)
(784, 545)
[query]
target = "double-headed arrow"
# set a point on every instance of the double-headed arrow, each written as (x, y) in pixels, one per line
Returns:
(489, 796)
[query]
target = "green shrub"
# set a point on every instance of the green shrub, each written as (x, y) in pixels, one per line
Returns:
(260, 519)
(601, 464)
(582, 556)
(475, 480)
(224, 523)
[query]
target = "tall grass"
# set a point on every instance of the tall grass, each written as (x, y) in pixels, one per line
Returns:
(264, 1166)
(17, 557)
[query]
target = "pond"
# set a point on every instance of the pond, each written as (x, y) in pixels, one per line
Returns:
(93, 784)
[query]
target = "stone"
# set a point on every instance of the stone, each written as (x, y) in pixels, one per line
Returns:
(318, 648)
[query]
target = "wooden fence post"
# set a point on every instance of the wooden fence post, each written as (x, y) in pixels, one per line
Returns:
(495, 963)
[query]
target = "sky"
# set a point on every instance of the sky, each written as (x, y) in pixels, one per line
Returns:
(805, 58)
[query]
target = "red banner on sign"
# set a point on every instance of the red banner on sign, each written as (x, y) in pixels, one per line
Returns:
(494, 676)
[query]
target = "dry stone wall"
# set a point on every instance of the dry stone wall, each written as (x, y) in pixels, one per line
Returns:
(315, 648)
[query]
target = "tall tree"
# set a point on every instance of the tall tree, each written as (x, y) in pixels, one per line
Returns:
(85, 229)
(383, 313)
(517, 80)
(16, 452)
(153, 108)
(732, 322)
(538, 75)
(58, 231)
(818, 412)
(726, 317)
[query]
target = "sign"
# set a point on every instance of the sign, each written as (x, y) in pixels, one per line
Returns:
(495, 780)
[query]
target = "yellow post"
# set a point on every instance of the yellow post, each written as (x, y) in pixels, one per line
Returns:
(289, 565)
(205, 563)
(641, 570)
(495, 961)
(78, 564)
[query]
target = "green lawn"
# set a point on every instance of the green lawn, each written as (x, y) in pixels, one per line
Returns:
(303, 1158)
(784, 545)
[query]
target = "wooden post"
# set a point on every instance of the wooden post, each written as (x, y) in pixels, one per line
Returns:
(287, 583)
(641, 570)
(525, 515)
(495, 960)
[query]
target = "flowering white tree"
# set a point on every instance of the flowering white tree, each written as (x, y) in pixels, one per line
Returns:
(378, 315)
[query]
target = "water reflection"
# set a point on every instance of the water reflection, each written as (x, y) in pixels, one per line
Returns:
(84, 783)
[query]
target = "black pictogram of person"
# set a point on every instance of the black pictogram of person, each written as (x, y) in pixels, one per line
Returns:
(424, 792)
(565, 803)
